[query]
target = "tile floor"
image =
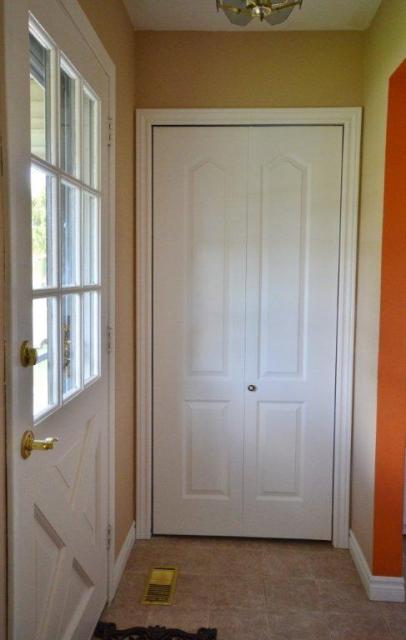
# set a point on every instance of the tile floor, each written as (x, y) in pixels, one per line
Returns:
(257, 590)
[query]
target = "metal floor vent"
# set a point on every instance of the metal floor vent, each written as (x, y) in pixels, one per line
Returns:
(161, 585)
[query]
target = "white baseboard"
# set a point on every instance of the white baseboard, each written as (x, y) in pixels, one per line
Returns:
(122, 558)
(383, 588)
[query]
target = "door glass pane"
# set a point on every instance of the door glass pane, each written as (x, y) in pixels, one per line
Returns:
(43, 211)
(70, 230)
(90, 335)
(71, 343)
(69, 119)
(45, 390)
(90, 139)
(40, 98)
(90, 239)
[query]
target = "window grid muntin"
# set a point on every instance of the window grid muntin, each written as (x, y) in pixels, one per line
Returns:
(53, 168)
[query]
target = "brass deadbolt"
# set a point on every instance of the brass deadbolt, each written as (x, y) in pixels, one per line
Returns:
(28, 355)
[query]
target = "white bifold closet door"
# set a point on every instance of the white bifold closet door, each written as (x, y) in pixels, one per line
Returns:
(245, 279)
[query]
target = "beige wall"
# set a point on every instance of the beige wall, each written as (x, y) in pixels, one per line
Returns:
(116, 33)
(2, 420)
(385, 49)
(2, 423)
(203, 69)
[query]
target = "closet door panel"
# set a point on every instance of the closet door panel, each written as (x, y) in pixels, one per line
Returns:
(291, 328)
(199, 182)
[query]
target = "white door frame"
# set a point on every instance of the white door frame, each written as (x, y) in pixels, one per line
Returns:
(15, 21)
(350, 120)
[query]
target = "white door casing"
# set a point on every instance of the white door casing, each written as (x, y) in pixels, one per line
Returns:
(350, 121)
(246, 239)
(60, 501)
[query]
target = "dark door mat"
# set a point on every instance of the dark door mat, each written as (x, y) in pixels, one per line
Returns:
(109, 631)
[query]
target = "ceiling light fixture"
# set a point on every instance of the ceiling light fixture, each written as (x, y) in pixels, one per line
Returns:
(241, 12)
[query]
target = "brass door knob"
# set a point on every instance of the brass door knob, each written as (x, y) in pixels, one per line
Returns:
(29, 444)
(28, 355)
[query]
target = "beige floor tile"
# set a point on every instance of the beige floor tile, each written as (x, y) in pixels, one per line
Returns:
(143, 557)
(358, 627)
(189, 557)
(237, 592)
(285, 562)
(126, 617)
(192, 591)
(334, 566)
(305, 548)
(256, 590)
(304, 625)
(239, 624)
(342, 597)
(395, 616)
(185, 618)
(130, 590)
(239, 543)
(238, 558)
(285, 595)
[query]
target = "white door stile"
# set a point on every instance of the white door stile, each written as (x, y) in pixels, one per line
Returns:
(20, 293)
(292, 282)
(350, 120)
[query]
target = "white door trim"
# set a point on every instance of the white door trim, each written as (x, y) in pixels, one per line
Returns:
(350, 120)
(12, 17)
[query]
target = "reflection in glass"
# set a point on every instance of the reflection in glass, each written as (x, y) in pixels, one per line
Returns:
(90, 335)
(71, 344)
(90, 152)
(40, 99)
(91, 239)
(45, 374)
(70, 230)
(43, 228)
(68, 122)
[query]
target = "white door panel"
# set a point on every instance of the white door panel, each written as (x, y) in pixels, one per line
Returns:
(292, 288)
(199, 264)
(58, 499)
(245, 300)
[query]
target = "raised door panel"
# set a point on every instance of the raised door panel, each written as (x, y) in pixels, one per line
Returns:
(206, 463)
(283, 267)
(199, 241)
(279, 450)
(208, 294)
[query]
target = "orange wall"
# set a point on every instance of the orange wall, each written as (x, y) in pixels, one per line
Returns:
(391, 414)
(384, 52)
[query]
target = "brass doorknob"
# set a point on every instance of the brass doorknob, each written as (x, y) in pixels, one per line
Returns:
(28, 355)
(29, 444)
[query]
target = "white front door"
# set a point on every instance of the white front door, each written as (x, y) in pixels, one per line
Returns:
(57, 111)
(246, 253)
